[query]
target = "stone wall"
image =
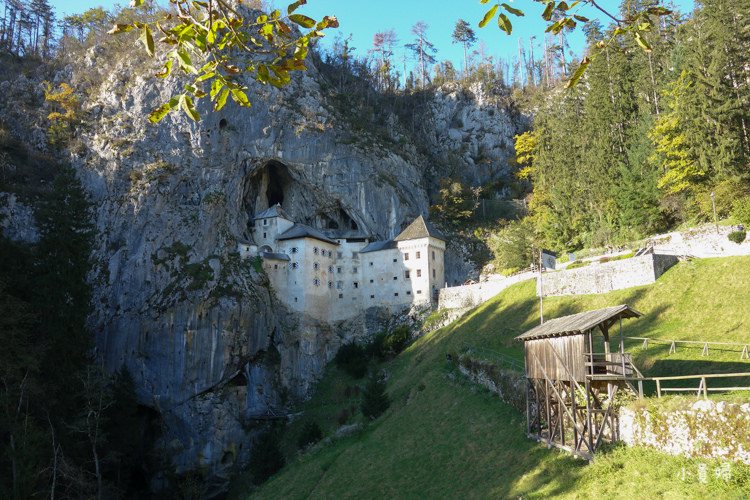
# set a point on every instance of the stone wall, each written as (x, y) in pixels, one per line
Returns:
(607, 276)
(702, 429)
(467, 296)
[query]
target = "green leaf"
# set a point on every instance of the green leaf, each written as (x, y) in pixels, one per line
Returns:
(562, 6)
(216, 86)
(221, 100)
(640, 41)
(148, 39)
(581, 18)
(303, 21)
(186, 103)
(157, 114)
(483, 1)
(487, 16)
(240, 98)
(204, 76)
(515, 12)
(579, 73)
(120, 28)
(504, 23)
(547, 14)
(185, 64)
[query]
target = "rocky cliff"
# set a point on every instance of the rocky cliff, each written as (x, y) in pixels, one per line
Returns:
(209, 345)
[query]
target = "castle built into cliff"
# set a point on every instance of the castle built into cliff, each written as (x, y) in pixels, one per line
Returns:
(337, 278)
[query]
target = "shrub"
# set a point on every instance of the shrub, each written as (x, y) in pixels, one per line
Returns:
(352, 358)
(343, 417)
(741, 210)
(375, 401)
(397, 340)
(309, 434)
(737, 236)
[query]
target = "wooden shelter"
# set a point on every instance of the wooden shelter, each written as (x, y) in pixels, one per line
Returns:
(573, 376)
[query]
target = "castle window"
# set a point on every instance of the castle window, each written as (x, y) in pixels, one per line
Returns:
(275, 266)
(372, 281)
(264, 235)
(355, 270)
(419, 292)
(341, 295)
(295, 249)
(295, 299)
(433, 273)
(330, 269)
(395, 278)
(419, 273)
(265, 222)
(372, 264)
(339, 270)
(408, 293)
(406, 256)
(372, 296)
(340, 255)
(406, 275)
(356, 285)
(395, 294)
(316, 266)
(419, 255)
(330, 284)
(316, 282)
(433, 255)
(339, 284)
(355, 255)
(315, 251)
(293, 265)
(395, 260)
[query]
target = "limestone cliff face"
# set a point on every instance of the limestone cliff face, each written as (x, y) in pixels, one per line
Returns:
(209, 345)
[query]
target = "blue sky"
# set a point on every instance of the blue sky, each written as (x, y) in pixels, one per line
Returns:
(363, 19)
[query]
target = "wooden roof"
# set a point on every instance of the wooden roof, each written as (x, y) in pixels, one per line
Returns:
(577, 324)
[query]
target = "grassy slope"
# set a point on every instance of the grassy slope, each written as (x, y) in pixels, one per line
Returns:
(444, 437)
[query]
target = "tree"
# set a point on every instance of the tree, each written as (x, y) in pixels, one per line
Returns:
(464, 35)
(214, 33)
(423, 50)
(374, 399)
(382, 44)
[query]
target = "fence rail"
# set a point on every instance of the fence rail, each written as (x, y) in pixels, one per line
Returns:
(702, 386)
(498, 357)
(673, 345)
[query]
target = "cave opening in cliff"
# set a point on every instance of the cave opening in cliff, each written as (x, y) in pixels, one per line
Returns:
(266, 186)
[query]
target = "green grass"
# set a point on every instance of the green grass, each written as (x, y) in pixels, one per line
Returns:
(444, 437)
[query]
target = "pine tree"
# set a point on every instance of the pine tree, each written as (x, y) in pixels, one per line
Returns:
(374, 400)
(423, 50)
(464, 35)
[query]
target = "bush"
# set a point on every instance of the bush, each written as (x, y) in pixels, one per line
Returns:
(375, 401)
(352, 358)
(741, 210)
(309, 434)
(397, 340)
(737, 236)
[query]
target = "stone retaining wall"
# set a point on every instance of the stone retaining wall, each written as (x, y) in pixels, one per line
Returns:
(467, 296)
(607, 276)
(703, 429)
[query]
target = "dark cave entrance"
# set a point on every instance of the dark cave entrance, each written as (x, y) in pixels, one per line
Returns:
(267, 186)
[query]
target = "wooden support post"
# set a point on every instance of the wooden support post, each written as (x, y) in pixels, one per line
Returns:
(744, 354)
(705, 390)
(560, 410)
(528, 407)
(658, 388)
(549, 411)
(588, 413)
(645, 344)
(640, 388)
(672, 348)
(573, 407)
(538, 409)
(705, 350)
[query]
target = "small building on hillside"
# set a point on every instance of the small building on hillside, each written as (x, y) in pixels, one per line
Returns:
(335, 278)
(573, 374)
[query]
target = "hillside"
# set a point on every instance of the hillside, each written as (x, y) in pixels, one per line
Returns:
(444, 437)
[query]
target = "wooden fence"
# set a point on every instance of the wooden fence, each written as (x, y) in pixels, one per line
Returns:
(702, 386)
(742, 348)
